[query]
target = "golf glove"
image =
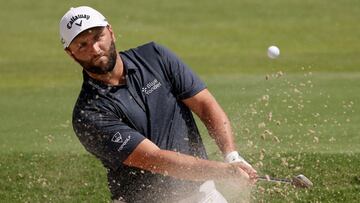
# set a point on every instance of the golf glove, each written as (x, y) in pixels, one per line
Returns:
(234, 156)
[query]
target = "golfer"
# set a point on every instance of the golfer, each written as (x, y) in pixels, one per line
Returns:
(134, 113)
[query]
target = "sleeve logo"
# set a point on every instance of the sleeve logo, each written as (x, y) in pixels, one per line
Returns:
(117, 138)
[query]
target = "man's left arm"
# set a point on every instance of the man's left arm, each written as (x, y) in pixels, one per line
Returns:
(218, 125)
(188, 88)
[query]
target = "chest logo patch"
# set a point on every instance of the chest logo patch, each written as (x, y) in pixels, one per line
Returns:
(151, 87)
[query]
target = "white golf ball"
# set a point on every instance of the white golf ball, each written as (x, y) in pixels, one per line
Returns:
(273, 52)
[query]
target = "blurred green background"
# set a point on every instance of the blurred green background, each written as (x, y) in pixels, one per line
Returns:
(296, 114)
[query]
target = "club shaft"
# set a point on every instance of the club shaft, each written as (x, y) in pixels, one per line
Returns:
(272, 179)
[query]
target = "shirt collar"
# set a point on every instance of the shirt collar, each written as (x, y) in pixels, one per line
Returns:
(129, 66)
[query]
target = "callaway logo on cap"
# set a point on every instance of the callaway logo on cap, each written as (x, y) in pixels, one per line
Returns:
(77, 20)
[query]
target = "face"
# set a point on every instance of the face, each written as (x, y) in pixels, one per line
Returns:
(94, 50)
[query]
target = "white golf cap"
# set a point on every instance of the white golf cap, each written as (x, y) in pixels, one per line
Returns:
(77, 20)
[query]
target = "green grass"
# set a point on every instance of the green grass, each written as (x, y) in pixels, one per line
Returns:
(314, 104)
(67, 177)
(52, 177)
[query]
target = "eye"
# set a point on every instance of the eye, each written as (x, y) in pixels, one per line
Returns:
(99, 36)
(82, 45)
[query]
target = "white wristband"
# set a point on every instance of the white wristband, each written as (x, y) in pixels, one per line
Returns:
(233, 157)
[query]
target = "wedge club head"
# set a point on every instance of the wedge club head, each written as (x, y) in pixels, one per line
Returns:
(299, 181)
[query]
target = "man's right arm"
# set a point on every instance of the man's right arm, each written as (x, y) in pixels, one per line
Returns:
(148, 156)
(115, 143)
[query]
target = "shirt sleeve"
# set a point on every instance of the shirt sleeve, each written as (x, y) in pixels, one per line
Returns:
(185, 83)
(105, 136)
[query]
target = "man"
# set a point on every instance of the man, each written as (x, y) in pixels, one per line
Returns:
(134, 114)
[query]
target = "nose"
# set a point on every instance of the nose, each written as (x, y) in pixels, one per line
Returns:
(95, 48)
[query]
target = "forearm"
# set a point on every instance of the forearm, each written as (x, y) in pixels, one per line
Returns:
(187, 167)
(214, 118)
(182, 166)
(219, 128)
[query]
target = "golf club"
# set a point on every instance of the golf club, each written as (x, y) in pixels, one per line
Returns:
(299, 181)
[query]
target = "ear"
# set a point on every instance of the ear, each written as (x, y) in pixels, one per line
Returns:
(111, 32)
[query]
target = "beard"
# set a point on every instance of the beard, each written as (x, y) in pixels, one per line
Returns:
(101, 70)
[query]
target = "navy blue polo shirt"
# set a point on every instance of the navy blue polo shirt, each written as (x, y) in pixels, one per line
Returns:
(110, 121)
